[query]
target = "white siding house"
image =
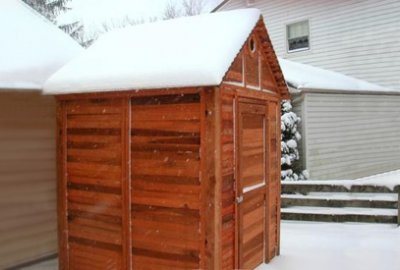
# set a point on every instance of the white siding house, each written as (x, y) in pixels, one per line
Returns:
(350, 135)
(31, 49)
(357, 38)
(350, 128)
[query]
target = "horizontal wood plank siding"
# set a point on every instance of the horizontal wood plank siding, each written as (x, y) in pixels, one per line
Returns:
(94, 170)
(351, 136)
(357, 38)
(166, 188)
(28, 219)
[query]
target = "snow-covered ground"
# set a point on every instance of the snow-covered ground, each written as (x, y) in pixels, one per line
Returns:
(337, 246)
(327, 246)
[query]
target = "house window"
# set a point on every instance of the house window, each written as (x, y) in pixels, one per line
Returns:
(298, 36)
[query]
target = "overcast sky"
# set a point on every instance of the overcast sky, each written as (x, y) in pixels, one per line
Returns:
(93, 13)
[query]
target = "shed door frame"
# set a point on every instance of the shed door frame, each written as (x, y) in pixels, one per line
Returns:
(258, 107)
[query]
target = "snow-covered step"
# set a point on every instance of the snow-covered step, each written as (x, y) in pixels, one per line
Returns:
(360, 200)
(341, 211)
(341, 200)
(320, 187)
(345, 196)
(368, 185)
(333, 214)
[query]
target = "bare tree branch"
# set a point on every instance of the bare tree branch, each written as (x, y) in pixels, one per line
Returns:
(183, 8)
(171, 11)
(192, 7)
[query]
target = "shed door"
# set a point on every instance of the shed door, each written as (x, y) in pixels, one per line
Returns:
(251, 184)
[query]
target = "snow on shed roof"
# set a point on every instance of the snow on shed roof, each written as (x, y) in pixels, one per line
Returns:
(31, 47)
(302, 77)
(190, 51)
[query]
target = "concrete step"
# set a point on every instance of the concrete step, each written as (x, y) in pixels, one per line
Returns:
(341, 201)
(346, 196)
(289, 200)
(304, 188)
(334, 214)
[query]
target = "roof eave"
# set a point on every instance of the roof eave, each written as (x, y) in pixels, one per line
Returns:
(219, 6)
(19, 88)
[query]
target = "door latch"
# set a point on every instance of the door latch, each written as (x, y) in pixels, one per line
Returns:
(239, 199)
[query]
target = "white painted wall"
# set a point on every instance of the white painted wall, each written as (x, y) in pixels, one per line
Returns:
(357, 38)
(350, 135)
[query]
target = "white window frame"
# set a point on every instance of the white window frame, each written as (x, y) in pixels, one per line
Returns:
(287, 36)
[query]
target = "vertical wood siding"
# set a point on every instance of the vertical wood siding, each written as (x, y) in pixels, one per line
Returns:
(351, 136)
(357, 38)
(166, 189)
(228, 183)
(28, 220)
(241, 75)
(273, 192)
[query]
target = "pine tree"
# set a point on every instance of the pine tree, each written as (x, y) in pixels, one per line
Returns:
(48, 8)
(289, 143)
(51, 9)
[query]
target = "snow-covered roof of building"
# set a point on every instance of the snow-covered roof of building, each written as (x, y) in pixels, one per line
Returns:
(306, 77)
(184, 52)
(31, 47)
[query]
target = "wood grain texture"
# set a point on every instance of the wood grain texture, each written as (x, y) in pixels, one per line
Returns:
(273, 213)
(229, 112)
(252, 61)
(251, 157)
(166, 190)
(97, 139)
(236, 72)
(63, 261)
(212, 180)
(126, 184)
(260, 68)
(152, 175)
(228, 184)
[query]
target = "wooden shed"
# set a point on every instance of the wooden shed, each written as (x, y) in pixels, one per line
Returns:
(169, 147)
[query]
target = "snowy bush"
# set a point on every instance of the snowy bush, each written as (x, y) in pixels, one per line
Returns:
(289, 142)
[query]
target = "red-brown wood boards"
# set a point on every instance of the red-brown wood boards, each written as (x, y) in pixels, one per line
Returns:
(180, 178)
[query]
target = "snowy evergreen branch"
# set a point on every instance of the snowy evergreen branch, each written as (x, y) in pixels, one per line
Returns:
(290, 138)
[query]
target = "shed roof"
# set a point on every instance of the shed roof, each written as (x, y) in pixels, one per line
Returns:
(31, 47)
(306, 77)
(184, 52)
